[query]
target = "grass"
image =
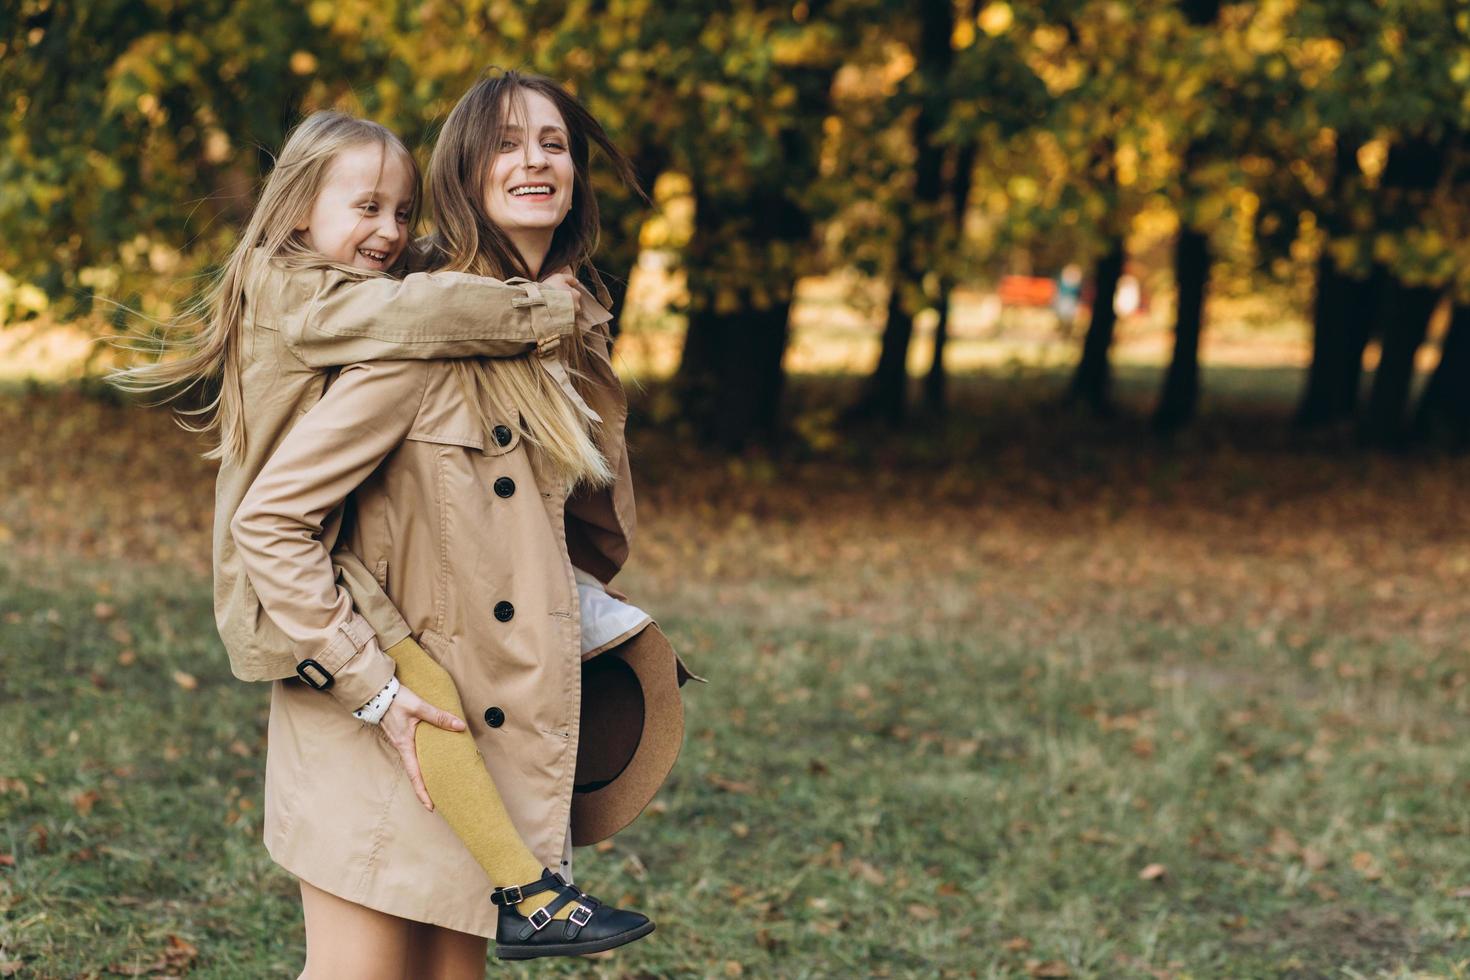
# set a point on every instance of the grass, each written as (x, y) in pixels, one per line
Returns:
(1021, 695)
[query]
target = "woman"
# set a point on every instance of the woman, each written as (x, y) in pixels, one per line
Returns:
(475, 485)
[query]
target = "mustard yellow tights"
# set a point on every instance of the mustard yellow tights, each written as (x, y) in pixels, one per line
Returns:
(460, 786)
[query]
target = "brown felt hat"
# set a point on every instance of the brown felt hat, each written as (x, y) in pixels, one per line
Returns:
(632, 728)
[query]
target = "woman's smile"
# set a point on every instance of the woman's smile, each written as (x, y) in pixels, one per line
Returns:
(535, 193)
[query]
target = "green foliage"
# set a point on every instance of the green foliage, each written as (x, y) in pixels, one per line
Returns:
(134, 131)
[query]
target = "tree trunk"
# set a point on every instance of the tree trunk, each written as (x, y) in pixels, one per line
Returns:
(1180, 398)
(1410, 175)
(886, 397)
(730, 380)
(886, 393)
(730, 376)
(1092, 382)
(936, 383)
(1445, 404)
(1339, 333)
(1342, 309)
(1404, 313)
(936, 398)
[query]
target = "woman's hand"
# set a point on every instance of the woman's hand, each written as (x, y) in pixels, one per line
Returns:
(566, 281)
(398, 725)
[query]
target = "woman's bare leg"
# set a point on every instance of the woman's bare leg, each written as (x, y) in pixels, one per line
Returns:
(437, 953)
(344, 939)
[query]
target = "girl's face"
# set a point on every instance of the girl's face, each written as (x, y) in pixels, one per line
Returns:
(529, 188)
(360, 217)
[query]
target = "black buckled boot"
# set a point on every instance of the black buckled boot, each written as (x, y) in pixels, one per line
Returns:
(592, 927)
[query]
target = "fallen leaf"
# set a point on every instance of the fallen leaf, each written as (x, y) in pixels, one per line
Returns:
(730, 785)
(104, 611)
(1314, 859)
(159, 965)
(127, 658)
(83, 802)
(733, 968)
(1051, 969)
(1016, 944)
(186, 680)
(8, 861)
(1153, 872)
(867, 872)
(1283, 843)
(922, 913)
(10, 968)
(180, 952)
(740, 830)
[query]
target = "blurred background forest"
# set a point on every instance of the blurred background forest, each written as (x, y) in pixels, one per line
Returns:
(933, 184)
(1043, 416)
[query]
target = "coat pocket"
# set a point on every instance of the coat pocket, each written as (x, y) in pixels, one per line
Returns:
(380, 572)
(447, 417)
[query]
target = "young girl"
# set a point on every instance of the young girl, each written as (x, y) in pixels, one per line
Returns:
(476, 486)
(303, 291)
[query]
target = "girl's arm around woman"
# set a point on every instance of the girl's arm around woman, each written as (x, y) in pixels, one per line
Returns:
(277, 528)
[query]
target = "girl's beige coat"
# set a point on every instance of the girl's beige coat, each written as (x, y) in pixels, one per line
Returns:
(476, 552)
(298, 324)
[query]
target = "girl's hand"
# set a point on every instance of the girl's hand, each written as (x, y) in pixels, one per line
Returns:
(398, 725)
(568, 282)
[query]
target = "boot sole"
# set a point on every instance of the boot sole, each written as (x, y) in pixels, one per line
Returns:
(572, 949)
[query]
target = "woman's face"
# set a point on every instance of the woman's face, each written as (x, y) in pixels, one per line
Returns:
(529, 190)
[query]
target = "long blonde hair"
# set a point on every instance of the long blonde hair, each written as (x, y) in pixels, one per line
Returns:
(467, 240)
(206, 335)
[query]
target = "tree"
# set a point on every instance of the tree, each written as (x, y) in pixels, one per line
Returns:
(1180, 397)
(919, 222)
(130, 131)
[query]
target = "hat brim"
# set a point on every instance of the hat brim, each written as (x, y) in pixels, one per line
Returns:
(632, 727)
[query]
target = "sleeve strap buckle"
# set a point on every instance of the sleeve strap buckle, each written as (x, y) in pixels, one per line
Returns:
(315, 675)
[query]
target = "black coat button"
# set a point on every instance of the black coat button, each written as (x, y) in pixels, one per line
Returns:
(505, 486)
(504, 611)
(502, 434)
(494, 717)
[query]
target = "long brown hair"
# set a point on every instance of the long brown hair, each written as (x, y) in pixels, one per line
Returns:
(207, 333)
(467, 240)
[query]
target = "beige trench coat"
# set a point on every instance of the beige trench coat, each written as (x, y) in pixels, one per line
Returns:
(476, 554)
(299, 323)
